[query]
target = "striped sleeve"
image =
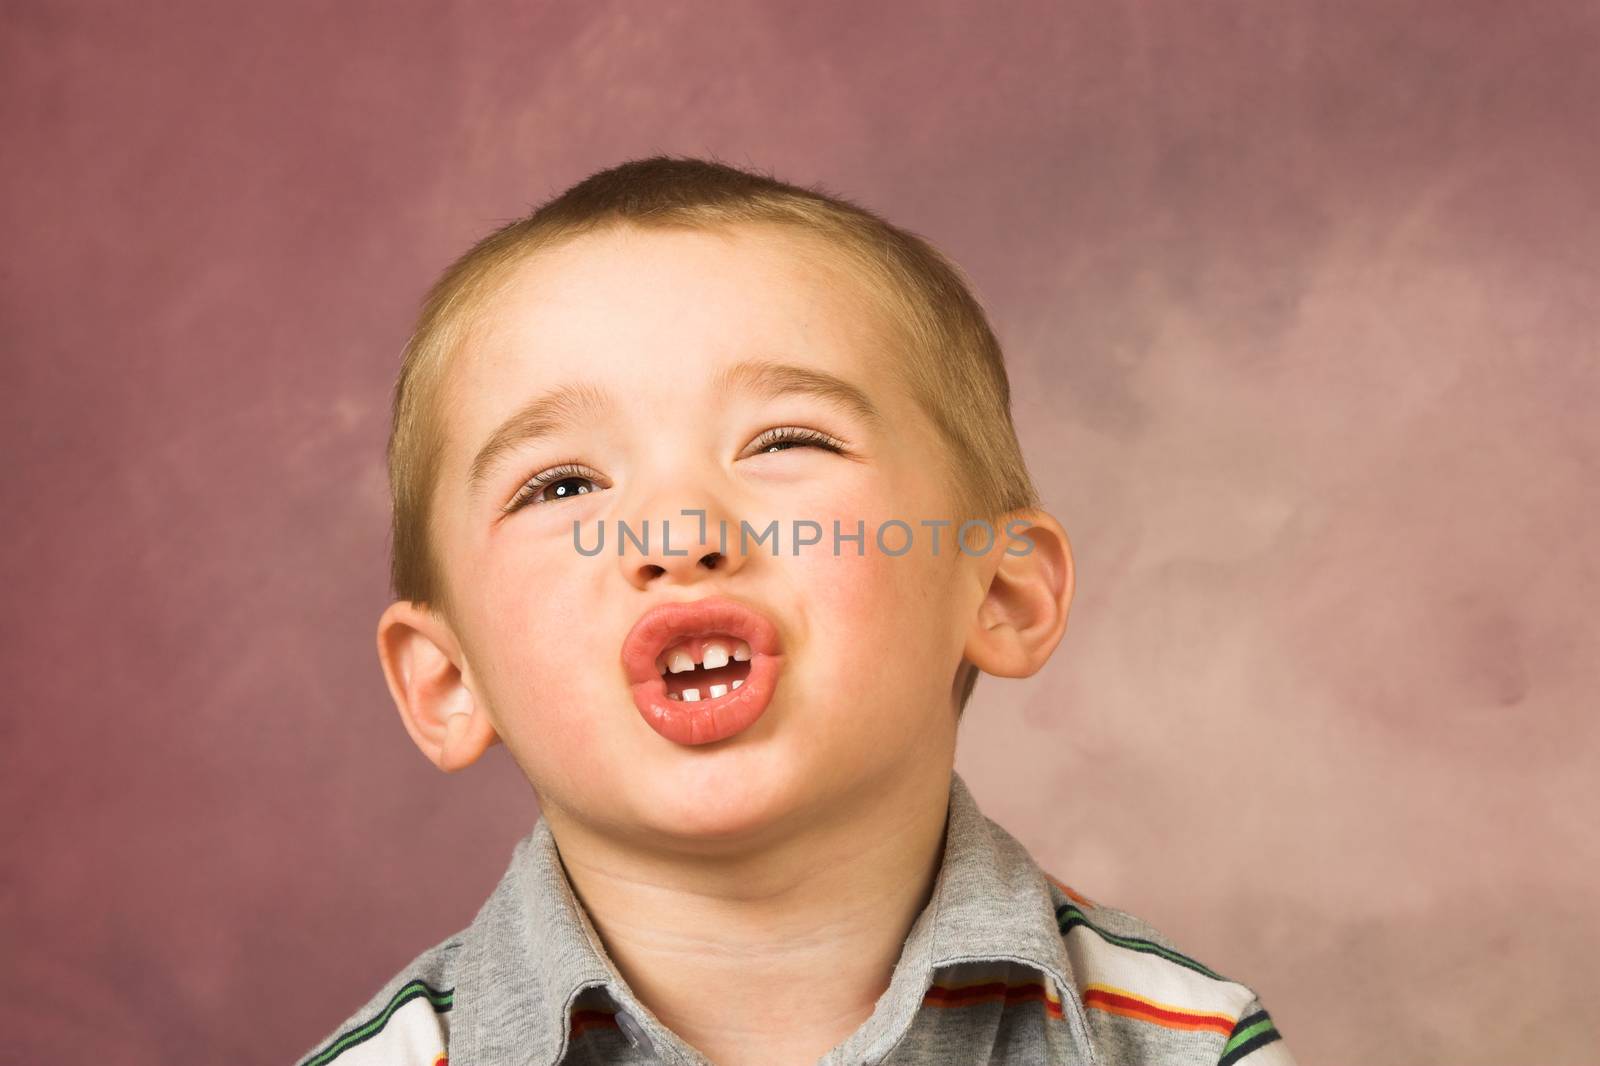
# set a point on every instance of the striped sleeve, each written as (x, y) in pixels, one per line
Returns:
(1255, 1040)
(407, 1023)
(1146, 1001)
(409, 1029)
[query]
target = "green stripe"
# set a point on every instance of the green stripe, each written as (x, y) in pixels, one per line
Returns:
(1250, 1047)
(1252, 1033)
(1245, 1034)
(1068, 916)
(440, 1001)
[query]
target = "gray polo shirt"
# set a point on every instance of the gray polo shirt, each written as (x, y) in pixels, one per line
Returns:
(1004, 965)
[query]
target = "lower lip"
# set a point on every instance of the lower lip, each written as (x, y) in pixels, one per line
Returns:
(707, 721)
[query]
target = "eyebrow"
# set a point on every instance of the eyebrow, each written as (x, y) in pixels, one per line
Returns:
(561, 408)
(772, 379)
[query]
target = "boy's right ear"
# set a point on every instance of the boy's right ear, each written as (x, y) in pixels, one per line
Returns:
(422, 665)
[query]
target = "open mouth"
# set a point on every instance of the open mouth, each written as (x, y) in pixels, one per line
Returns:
(702, 670)
(704, 667)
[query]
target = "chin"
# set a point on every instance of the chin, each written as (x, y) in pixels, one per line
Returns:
(726, 795)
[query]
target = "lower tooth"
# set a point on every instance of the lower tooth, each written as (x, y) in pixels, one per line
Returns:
(739, 682)
(691, 695)
(718, 690)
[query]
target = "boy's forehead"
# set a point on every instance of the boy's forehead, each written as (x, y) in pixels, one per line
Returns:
(700, 281)
(646, 310)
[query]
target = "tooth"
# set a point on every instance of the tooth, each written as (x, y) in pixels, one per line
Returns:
(671, 696)
(718, 690)
(716, 655)
(661, 665)
(739, 682)
(680, 662)
(741, 654)
(691, 695)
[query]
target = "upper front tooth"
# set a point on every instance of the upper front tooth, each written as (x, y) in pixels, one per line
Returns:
(716, 655)
(680, 662)
(742, 652)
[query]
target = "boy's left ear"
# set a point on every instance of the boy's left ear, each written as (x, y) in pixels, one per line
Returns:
(1028, 577)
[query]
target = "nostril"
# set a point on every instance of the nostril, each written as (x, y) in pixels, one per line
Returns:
(710, 560)
(651, 570)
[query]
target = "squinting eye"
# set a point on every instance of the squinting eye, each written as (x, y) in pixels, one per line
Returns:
(558, 483)
(785, 437)
(568, 480)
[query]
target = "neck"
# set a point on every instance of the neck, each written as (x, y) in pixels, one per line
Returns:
(769, 957)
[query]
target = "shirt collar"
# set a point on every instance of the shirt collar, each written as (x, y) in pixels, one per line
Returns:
(532, 948)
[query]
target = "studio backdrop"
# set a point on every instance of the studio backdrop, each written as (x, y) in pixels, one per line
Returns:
(1299, 302)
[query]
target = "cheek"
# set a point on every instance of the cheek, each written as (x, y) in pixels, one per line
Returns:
(529, 610)
(542, 654)
(883, 625)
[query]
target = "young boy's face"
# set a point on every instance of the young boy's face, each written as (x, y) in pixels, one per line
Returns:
(870, 644)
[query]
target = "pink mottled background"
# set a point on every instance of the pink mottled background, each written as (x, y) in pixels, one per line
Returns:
(1301, 305)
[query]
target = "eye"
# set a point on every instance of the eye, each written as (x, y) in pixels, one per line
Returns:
(571, 479)
(557, 483)
(782, 438)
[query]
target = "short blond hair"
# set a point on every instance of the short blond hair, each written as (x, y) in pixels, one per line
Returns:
(952, 364)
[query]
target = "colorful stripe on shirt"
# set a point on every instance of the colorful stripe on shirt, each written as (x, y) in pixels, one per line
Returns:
(1076, 897)
(584, 1019)
(441, 1002)
(1121, 1001)
(1128, 978)
(1069, 917)
(967, 995)
(1253, 1031)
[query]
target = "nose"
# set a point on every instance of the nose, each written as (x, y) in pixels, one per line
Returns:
(679, 543)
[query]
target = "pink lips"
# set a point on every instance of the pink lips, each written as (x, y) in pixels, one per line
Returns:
(708, 720)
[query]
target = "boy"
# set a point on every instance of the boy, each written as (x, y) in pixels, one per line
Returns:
(700, 482)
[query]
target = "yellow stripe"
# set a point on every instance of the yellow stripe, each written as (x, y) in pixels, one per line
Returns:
(1122, 1002)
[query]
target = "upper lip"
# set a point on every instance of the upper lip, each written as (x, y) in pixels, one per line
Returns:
(662, 625)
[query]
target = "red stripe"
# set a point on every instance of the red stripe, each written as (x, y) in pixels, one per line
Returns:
(1076, 897)
(970, 995)
(1131, 1007)
(584, 1020)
